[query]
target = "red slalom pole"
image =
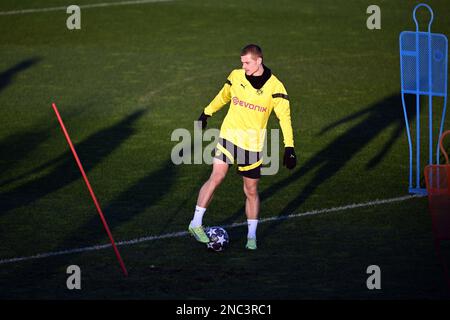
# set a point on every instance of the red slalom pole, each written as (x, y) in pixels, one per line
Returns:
(97, 205)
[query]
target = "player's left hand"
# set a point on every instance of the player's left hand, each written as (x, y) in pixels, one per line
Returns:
(290, 159)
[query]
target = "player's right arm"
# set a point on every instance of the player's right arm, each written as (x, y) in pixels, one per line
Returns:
(221, 99)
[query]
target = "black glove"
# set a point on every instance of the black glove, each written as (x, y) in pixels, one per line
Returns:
(203, 118)
(290, 159)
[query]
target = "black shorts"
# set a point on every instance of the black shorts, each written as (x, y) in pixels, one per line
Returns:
(248, 162)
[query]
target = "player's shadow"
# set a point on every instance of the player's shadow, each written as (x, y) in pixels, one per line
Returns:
(373, 120)
(7, 76)
(63, 169)
(126, 206)
(370, 122)
(18, 145)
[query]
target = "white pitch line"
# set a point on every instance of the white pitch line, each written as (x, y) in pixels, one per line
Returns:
(85, 6)
(185, 233)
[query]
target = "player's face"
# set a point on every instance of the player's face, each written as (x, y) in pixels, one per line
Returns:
(250, 64)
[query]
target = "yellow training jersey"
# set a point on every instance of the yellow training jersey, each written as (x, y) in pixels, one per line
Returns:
(246, 121)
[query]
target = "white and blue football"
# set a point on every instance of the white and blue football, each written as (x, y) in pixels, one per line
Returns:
(218, 238)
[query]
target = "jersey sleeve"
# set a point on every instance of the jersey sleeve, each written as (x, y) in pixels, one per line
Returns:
(282, 110)
(221, 99)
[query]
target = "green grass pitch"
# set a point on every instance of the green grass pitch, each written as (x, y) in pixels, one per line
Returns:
(135, 73)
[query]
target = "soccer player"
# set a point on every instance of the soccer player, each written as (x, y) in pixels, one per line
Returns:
(254, 92)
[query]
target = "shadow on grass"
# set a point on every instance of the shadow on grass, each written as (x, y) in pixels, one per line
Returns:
(126, 206)
(65, 171)
(7, 76)
(370, 122)
(17, 146)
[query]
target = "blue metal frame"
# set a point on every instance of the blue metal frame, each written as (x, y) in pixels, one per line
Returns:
(418, 92)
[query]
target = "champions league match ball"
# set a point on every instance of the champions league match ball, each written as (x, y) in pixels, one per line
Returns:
(218, 237)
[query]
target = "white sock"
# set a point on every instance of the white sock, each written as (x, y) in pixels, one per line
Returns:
(198, 216)
(252, 224)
